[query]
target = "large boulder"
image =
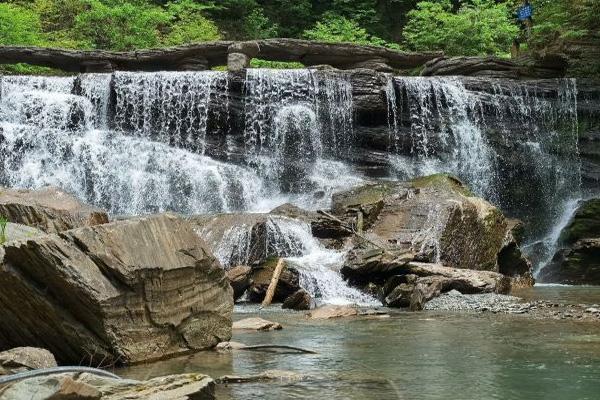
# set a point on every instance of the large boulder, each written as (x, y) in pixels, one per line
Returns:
(85, 386)
(49, 209)
(288, 283)
(435, 218)
(577, 260)
(124, 292)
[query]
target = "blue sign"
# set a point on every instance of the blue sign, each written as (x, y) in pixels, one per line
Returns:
(525, 12)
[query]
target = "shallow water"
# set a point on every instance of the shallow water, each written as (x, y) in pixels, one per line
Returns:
(427, 355)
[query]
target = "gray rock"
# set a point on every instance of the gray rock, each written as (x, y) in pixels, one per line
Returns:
(256, 324)
(300, 300)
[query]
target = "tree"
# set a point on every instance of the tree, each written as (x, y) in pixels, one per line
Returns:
(188, 24)
(19, 25)
(120, 27)
(333, 28)
(481, 27)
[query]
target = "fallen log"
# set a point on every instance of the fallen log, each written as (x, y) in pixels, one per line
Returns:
(273, 285)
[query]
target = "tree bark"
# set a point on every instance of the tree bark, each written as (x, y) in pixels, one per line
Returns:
(274, 280)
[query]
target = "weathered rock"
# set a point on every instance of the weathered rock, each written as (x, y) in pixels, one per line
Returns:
(425, 289)
(48, 209)
(400, 296)
(331, 311)
(434, 217)
(92, 387)
(22, 359)
(578, 259)
(236, 239)
(300, 300)
(19, 232)
(256, 324)
(239, 278)
(288, 283)
(123, 292)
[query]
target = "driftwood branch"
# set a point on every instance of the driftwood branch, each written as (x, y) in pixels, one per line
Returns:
(260, 347)
(54, 370)
(274, 280)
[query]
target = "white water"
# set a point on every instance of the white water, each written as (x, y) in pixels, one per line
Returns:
(318, 266)
(449, 132)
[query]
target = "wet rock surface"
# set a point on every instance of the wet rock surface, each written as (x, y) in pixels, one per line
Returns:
(332, 311)
(124, 292)
(301, 300)
(577, 260)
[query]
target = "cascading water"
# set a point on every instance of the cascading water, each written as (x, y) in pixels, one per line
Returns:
(464, 132)
(49, 137)
(296, 124)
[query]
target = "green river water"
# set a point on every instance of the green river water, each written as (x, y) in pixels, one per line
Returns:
(425, 355)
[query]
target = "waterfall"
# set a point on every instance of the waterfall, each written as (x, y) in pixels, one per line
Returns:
(170, 107)
(535, 175)
(49, 137)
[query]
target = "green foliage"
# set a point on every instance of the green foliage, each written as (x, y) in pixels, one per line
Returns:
(258, 63)
(258, 26)
(188, 24)
(480, 27)
(19, 26)
(3, 224)
(554, 20)
(333, 28)
(121, 27)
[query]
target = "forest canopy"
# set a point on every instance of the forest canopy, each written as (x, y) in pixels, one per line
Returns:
(458, 27)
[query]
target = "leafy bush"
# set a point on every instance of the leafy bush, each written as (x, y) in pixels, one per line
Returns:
(120, 27)
(481, 27)
(333, 28)
(188, 25)
(19, 26)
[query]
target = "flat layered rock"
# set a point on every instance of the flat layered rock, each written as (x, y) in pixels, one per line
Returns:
(332, 311)
(124, 292)
(48, 209)
(256, 324)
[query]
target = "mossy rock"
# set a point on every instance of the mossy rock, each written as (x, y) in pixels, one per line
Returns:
(361, 196)
(442, 181)
(585, 223)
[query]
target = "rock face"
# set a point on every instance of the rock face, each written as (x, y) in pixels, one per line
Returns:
(92, 387)
(48, 209)
(123, 292)
(578, 260)
(433, 219)
(22, 359)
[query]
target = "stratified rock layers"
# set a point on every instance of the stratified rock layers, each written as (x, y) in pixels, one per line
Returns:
(124, 292)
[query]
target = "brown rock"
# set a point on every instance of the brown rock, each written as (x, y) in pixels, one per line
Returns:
(256, 324)
(300, 300)
(123, 292)
(48, 209)
(288, 284)
(239, 278)
(331, 311)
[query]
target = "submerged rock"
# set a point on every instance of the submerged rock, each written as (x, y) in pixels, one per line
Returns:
(48, 209)
(256, 324)
(22, 359)
(86, 386)
(268, 375)
(578, 259)
(124, 292)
